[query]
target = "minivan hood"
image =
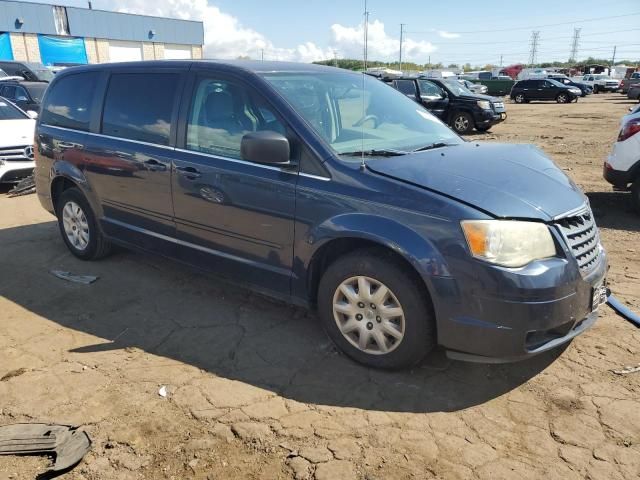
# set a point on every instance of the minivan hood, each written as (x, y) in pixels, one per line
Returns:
(509, 181)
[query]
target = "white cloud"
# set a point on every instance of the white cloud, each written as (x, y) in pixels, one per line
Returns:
(349, 41)
(224, 35)
(445, 34)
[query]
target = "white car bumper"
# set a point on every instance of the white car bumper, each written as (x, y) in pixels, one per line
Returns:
(15, 170)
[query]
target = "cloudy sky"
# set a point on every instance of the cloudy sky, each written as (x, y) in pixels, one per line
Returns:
(476, 31)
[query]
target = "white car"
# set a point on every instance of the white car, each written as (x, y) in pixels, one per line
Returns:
(622, 168)
(16, 142)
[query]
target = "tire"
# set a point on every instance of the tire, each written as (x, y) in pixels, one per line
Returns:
(416, 323)
(462, 123)
(596, 90)
(519, 98)
(562, 98)
(635, 195)
(82, 235)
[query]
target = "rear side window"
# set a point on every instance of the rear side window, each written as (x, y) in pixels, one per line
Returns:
(138, 106)
(68, 103)
(408, 87)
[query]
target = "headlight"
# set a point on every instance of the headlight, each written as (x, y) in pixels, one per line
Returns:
(484, 104)
(509, 243)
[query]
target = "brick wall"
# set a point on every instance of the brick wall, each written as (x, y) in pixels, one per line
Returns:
(25, 47)
(92, 50)
(158, 49)
(147, 51)
(196, 51)
(102, 50)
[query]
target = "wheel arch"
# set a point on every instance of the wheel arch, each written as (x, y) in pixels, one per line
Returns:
(66, 175)
(352, 232)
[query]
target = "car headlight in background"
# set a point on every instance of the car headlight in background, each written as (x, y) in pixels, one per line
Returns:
(484, 104)
(509, 243)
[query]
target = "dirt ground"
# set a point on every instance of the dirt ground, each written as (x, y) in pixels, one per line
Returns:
(255, 389)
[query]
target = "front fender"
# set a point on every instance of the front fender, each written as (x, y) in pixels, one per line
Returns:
(417, 250)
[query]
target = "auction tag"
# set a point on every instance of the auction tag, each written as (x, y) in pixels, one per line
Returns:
(599, 295)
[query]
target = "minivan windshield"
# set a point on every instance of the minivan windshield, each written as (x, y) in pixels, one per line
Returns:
(358, 113)
(9, 112)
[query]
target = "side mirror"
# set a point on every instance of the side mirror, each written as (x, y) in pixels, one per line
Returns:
(32, 114)
(265, 147)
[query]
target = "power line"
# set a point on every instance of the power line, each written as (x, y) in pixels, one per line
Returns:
(573, 22)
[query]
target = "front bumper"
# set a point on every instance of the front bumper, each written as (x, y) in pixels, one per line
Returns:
(486, 118)
(13, 171)
(509, 315)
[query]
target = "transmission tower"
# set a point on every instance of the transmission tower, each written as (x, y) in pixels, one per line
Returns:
(535, 37)
(575, 44)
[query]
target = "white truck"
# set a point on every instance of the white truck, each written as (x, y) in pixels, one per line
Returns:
(599, 82)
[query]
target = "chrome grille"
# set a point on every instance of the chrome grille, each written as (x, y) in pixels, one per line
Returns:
(14, 153)
(581, 234)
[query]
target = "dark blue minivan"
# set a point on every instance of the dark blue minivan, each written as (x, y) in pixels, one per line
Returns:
(328, 189)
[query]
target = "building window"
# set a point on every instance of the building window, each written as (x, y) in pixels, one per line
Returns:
(60, 19)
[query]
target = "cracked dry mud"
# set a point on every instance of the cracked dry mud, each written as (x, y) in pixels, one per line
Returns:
(255, 389)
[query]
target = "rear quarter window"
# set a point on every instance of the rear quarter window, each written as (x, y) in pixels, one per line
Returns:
(68, 101)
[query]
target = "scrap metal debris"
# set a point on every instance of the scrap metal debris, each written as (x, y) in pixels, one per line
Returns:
(623, 310)
(26, 186)
(163, 391)
(70, 277)
(628, 369)
(68, 444)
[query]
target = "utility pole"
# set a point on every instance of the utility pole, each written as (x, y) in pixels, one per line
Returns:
(366, 33)
(402, 25)
(501, 60)
(613, 59)
(335, 58)
(535, 37)
(575, 44)
(429, 61)
(262, 54)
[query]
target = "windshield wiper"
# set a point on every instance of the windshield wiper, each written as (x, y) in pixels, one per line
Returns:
(376, 153)
(434, 145)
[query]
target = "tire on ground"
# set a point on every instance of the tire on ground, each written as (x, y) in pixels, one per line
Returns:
(420, 331)
(98, 246)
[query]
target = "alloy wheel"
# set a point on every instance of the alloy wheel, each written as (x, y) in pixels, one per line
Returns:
(76, 226)
(369, 315)
(461, 123)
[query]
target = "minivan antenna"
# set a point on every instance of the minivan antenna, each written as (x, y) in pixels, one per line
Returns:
(366, 32)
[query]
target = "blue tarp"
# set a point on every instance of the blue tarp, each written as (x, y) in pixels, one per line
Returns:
(5, 47)
(61, 50)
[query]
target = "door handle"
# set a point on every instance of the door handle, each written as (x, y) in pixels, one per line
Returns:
(190, 172)
(68, 145)
(154, 165)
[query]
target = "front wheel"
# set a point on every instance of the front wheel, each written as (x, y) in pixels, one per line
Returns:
(462, 123)
(79, 227)
(562, 98)
(375, 311)
(519, 98)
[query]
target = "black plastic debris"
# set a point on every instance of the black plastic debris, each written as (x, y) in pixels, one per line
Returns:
(26, 186)
(67, 444)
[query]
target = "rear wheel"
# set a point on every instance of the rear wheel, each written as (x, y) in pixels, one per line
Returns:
(375, 311)
(462, 122)
(596, 89)
(562, 98)
(519, 98)
(79, 227)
